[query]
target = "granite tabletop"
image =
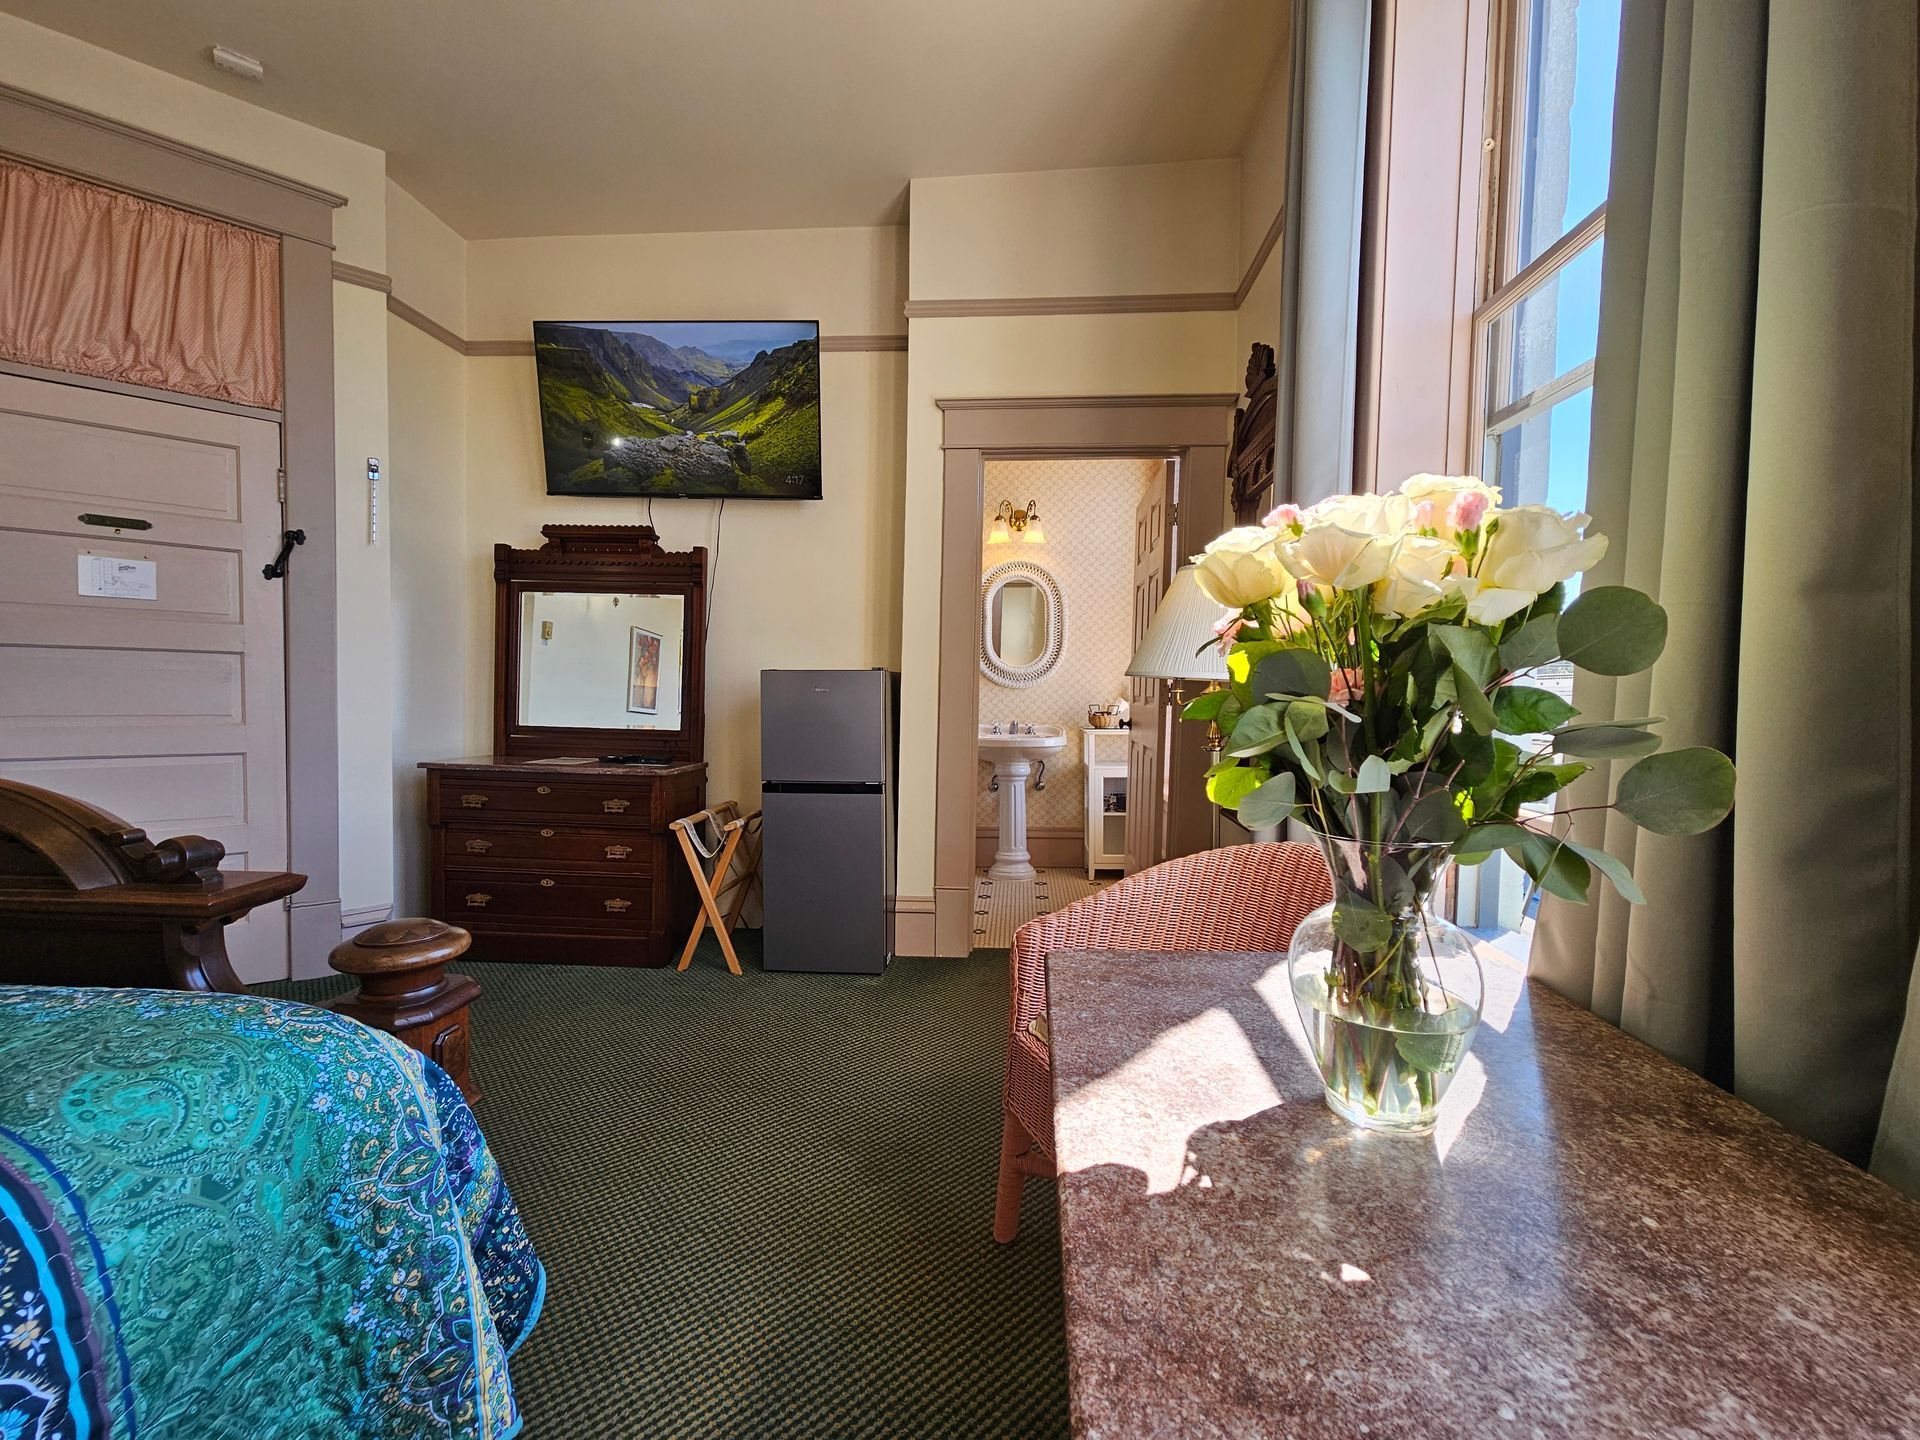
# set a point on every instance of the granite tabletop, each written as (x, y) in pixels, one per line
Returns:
(1594, 1242)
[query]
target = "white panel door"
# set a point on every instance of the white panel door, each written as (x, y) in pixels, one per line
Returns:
(165, 704)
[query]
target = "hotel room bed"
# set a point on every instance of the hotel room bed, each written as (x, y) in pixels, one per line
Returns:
(226, 1217)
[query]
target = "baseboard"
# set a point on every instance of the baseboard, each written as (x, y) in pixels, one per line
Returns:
(361, 917)
(1052, 847)
(913, 929)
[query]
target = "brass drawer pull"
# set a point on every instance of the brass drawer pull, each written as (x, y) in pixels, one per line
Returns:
(478, 901)
(619, 907)
(546, 884)
(479, 847)
(615, 807)
(546, 834)
(543, 790)
(619, 852)
(472, 802)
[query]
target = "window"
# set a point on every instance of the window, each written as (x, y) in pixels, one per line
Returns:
(1538, 323)
(1535, 331)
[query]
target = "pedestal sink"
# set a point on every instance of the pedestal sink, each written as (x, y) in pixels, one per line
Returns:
(1013, 756)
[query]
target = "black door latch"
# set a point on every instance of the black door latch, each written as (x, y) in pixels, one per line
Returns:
(288, 540)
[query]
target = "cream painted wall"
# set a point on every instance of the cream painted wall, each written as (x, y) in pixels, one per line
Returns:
(802, 584)
(1133, 230)
(1087, 509)
(75, 73)
(427, 261)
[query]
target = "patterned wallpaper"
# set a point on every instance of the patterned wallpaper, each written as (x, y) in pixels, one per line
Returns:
(1086, 510)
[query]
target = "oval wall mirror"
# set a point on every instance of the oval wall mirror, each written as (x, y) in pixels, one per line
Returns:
(1022, 623)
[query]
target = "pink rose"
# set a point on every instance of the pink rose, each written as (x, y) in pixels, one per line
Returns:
(1348, 685)
(1228, 628)
(1469, 508)
(1281, 515)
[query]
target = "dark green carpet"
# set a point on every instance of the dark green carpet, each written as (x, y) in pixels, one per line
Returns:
(765, 1203)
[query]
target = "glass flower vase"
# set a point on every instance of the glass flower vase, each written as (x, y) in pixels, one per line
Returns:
(1390, 993)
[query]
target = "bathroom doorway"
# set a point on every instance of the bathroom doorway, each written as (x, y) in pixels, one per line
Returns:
(1172, 438)
(1062, 604)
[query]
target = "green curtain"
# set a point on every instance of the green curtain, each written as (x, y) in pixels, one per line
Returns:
(1753, 460)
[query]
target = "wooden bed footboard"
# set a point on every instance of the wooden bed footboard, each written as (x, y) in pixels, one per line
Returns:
(87, 899)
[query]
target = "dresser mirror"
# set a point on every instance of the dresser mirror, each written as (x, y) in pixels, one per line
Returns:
(602, 662)
(600, 645)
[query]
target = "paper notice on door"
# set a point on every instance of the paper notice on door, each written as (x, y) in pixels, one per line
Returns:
(119, 579)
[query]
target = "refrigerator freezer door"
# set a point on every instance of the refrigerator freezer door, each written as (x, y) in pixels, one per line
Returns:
(823, 727)
(825, 869)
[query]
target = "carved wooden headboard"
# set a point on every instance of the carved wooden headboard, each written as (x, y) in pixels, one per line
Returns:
(1250, 466)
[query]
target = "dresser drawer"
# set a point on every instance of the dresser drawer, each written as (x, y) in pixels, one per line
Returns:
(606, 802)
(535, 847)
(600, 900)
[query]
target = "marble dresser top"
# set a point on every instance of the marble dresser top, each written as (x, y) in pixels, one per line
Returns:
(1594, 1242)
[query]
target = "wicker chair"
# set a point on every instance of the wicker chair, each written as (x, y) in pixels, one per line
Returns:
(1243, 897)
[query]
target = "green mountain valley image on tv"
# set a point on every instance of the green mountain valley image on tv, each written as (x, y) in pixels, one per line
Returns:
(724, 409)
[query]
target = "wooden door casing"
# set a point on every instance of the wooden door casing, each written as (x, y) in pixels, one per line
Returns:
(1146, 794)
(169, 711)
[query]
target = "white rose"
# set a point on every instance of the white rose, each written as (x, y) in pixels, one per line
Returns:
(1335, 555)
(1447, 504)
(1367, 514)
(1242, 568)
(1421, 574)
(1533, 548)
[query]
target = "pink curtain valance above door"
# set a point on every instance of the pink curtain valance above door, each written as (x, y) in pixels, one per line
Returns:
(102, 283)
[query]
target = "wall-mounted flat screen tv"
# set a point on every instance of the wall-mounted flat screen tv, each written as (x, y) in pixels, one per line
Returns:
(722, 408)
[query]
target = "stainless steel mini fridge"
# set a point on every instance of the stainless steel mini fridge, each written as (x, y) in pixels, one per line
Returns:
(827, 788)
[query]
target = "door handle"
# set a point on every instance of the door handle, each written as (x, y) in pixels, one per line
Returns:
(277, 568)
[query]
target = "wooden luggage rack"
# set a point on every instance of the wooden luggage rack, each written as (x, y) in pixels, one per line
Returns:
(722, 847)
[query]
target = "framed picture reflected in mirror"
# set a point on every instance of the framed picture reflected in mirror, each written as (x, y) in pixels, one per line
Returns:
(643, 672)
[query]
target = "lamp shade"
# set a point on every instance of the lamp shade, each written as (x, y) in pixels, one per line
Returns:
(1179, 643)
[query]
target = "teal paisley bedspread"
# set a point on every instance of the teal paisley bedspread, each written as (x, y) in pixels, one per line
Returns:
(224, 1217)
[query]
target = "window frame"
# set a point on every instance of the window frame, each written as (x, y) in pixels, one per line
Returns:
(1503, 284)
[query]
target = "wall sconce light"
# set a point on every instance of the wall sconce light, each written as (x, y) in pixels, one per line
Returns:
(1008, 522)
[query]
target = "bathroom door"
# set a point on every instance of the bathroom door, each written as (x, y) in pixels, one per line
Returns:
(1147, 740)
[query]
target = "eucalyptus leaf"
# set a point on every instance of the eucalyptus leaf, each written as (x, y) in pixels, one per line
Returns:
(1436, 1051)
(1528, 710)
(1537, 782)
(1307, 753)
(1230, 787)
(1475, 706)
(1558, 869)
(1206, 706)
(1272, 804)
(1534, 643)
(1613, 630)
(1306, 719)
(1605, 742)
(1363, 926)
(1611, 866)
(1682, 792)
(1485, 840)
(1292, 671)
(1471, 650)
(1374, 778)
(1436, 816)
(1257, 732)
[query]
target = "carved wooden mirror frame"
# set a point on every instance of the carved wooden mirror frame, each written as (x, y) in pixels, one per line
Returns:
(601, 560)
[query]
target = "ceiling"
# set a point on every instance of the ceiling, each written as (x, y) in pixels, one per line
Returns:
(541, 117)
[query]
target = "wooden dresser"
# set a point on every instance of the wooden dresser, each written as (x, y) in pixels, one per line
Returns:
(565, 863)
